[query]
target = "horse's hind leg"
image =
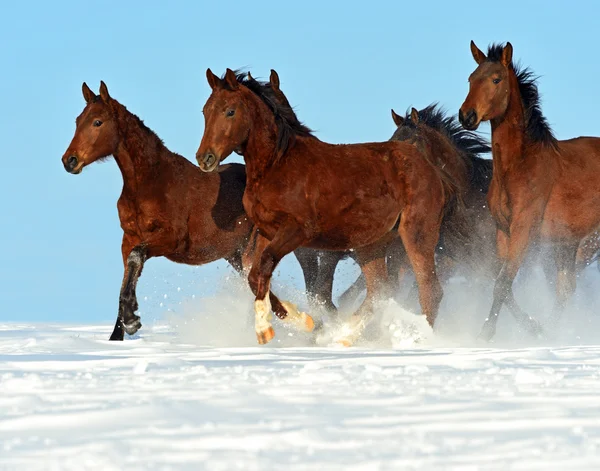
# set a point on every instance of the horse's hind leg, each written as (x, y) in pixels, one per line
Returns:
(420, 232)
(373, 265)
(287, 239)
(127, 320)
(566, 280)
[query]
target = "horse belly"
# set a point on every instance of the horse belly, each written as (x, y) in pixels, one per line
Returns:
(360, 225)
(570, 215)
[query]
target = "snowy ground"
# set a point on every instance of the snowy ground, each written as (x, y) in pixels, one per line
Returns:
(69, 399)
(194, 391)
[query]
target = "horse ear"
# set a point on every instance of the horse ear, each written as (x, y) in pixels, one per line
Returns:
(213, 80)
(414, 116)
(104, 92)
(250, 76)
(88, 95)
(231, 79)
(507, 54)
(399, 120)
(274, 80)
(477, 54)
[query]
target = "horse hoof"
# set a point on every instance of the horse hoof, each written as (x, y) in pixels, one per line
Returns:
(299, 320)
(265, 336)
(133, 325)
(117, 335)
(487, 331)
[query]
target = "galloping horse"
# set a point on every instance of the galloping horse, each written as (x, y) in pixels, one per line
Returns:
(542, 189)
(168, 207)
(446, 142)
(302, 191)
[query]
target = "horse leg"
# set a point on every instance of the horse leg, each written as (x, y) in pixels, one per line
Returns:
(528, 323)
(397, 266)
(523, 227)
(420, 231)
(324, 285)
(373, 265)
(353, 291)
(286, 240)
(127, 320)
(309, 262)
(565, 258)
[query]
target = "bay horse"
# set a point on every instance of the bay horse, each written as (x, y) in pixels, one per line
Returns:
(543, 189)
(468, 238)
(301, 191)
(168, 207)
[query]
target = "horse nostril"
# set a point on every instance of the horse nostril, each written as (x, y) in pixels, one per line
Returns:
(469, 119)
(71, 163)
(210, 159)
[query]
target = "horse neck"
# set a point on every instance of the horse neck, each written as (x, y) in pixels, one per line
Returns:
(139, 152)
(451, 159)
(508, 131)
(260, 151)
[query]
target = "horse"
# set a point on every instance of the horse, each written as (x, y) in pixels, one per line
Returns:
(543, 189)
(468, 238)
(301, 191)
(168, 207)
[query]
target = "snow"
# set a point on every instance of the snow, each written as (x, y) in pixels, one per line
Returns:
(69, 399)
(194, 391)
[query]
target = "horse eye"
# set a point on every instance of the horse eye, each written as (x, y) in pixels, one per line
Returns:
(230, 113)
(496, 81)
(97, 123)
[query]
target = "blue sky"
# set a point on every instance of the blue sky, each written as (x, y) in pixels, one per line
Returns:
(342, 64)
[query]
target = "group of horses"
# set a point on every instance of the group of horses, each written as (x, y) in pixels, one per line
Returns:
(425, 201)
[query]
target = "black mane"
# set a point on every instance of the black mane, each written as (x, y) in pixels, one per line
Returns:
(470, 144)
(536, 127)
(288, 124)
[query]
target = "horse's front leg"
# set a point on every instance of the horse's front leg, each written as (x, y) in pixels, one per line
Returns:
(133, 260)
(523, 228)
(286, 240)
(328, 262)
(309, 263)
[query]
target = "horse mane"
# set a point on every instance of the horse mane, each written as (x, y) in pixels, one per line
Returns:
(469, 144)
(288, 125)
(536, 127)
(129, 116)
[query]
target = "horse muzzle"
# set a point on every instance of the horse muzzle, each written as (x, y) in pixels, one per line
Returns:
(72, 164)
(208, 161)
(469, 119)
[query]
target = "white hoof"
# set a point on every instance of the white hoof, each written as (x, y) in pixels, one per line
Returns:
(299, 320)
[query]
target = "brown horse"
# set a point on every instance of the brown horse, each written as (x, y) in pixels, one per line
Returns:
(168, 207)
(467, 239)
(543, 189)
(304, 192)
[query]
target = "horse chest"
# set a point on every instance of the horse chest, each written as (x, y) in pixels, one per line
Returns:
(498, 202)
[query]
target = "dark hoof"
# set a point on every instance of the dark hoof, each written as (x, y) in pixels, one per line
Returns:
(487, 331)
(133, 325)
(117, 335)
